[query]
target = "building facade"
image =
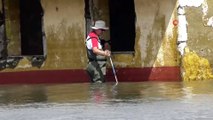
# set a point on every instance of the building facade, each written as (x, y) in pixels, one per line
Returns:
(42, 41)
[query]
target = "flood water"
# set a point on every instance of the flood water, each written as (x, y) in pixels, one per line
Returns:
(126, 101)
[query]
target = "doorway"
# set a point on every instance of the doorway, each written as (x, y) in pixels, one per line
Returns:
(31, 14)
(122, 25)
(122, 18)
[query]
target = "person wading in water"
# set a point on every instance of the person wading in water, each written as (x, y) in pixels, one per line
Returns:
(96, 54)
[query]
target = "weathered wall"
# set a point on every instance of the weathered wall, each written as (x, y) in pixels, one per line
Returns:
(200, 37)
(12, 21)
(155, 42)
(155, 35)
(64, 27)
(197, 42)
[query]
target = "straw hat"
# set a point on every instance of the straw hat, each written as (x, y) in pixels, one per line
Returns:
(100, 24)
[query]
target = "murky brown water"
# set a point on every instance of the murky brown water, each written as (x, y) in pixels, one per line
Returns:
(126, 101)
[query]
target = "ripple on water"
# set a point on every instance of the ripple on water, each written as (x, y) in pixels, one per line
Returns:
(139, 101)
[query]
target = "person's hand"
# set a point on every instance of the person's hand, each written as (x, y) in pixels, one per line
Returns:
(107, 53)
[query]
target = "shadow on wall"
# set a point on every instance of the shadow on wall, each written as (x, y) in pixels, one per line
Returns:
(156, 38)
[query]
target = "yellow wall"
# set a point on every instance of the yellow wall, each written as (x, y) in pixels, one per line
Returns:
(155, 42)
(64, 25)
(199, 34)
(65, 31)
(155, 36)
(197, 61)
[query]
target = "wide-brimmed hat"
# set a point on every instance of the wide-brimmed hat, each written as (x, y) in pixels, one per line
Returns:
(100, 24)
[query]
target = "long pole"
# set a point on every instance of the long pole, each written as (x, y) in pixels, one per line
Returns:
(113, 69)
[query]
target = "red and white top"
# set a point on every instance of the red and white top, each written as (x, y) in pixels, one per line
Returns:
(93, 41)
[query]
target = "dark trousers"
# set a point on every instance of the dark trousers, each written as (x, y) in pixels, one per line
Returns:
(96, 70)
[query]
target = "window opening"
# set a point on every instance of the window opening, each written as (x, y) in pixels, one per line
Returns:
(31, 14)
(122, 25)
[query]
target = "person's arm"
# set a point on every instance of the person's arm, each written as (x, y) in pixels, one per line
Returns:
(101, 52)
(98, 51)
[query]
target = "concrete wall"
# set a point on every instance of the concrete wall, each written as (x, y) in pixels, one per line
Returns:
(155, 36)
(65, 33)
(200, 37)
(64, 27)
(155, 42)
(197, 39)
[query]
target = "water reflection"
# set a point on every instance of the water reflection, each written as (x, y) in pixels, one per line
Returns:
(22, 94)
(102, 93)
(144, 100)
(98, 93)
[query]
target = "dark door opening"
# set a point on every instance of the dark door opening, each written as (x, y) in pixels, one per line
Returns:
(122, 25)
(31, 14)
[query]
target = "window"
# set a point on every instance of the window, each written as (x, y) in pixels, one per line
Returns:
(31, 14)
(122, 25)
(24, 32)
